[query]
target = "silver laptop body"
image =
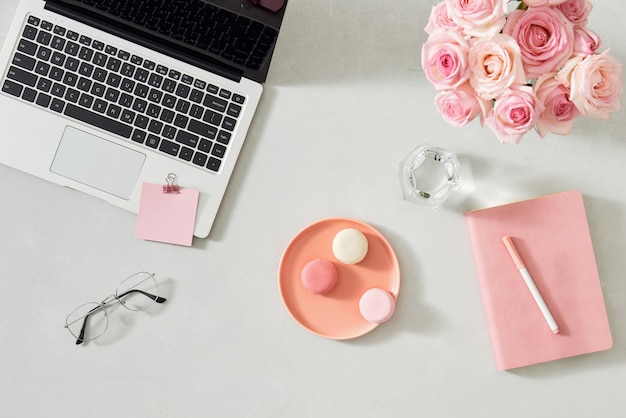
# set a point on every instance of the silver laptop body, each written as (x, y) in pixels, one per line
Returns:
(90, 103)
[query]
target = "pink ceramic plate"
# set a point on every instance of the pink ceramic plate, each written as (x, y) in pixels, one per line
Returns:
(336, 314)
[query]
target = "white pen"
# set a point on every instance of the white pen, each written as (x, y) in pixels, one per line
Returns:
(519, 263)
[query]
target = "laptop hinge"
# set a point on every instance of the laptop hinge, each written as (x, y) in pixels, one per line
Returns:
(144, 39)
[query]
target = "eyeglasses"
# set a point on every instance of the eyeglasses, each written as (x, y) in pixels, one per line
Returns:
(90, 320)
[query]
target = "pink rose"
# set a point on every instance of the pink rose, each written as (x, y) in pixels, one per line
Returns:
(537, 3)
(595, 84)
(545, 37)
(559, 112)
(514, 114)
(445, 59)
(439, 19)
(495, 65)
(459, 106)
(577, 11)
(478, 17)
(586, 42)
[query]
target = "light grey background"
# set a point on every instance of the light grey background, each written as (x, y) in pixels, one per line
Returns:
(345, 101)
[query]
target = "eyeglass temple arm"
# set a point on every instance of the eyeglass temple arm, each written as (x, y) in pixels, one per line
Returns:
(157, 299)
(81, 336)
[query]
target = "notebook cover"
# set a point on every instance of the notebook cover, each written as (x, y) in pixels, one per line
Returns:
(552, 237)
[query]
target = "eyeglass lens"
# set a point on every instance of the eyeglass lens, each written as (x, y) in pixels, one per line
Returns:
(88, 321)
(138, 292)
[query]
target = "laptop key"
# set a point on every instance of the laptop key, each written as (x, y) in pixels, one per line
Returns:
(58, 90)
(43, 99)
(72, 95)
(196, 111)
(233, 110)
(22, 76)
(238, 99)
(58, 43)
(229, 124)
(58, 58)
(187, 139)
(33, 20)
(153, 110)
(214, 164)
(42, 68)
(29, 32)
(85, 53)
(85, 100)
(24, 61)
(218, 150)
(85, 40)
(44, 53)
(72, 64)
(181, 121)
(168, 132)
(70, 79)
(155, 126)
(186, 154)
(169, 147)
(200, 159)
(97, 120)
(100, 106)
(72, 48)
(113, 64)
(205, 145)
(202, 129)
(29, 94)
(57, 105)
(27, 47)
(99, 59)
(223, 137)
(141, 75)
(141, 90)
(99, 74)
(215, 103)
(59, 30)
(44, 38)
(142, 121)
(153, 141)
(115, 111)
(167, 116)
(139, 136)
(72, 35)
(12, 88)
(46, 25)
(127, 116)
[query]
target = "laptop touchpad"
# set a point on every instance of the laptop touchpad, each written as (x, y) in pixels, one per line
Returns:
(97, 162)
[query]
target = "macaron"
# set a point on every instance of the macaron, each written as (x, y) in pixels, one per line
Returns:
(377, 305)
(350, 246)
(319, 276)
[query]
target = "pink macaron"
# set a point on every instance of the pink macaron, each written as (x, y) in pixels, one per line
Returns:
(377, 305)
(319, 276)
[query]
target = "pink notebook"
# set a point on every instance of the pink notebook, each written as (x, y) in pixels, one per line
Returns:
(552, 237)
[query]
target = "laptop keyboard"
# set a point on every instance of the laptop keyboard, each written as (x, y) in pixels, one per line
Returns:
(207, 27)
(106, 87)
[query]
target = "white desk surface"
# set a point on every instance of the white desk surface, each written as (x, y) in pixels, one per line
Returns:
(345, 101)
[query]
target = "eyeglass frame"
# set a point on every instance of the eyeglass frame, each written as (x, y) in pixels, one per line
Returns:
(106, 302)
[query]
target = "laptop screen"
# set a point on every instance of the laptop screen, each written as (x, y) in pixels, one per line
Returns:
(233, 38)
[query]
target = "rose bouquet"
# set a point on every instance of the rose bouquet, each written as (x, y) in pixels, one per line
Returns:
(519, 65)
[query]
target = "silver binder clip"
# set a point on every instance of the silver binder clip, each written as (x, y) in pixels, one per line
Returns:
(170, 185)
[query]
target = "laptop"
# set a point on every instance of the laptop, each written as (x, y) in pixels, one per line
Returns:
(104, 95)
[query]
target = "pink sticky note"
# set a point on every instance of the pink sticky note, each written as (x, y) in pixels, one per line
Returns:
(167, 217)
